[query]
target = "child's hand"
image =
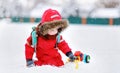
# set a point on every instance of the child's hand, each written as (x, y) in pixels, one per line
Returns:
(30, 63)
(71, 56)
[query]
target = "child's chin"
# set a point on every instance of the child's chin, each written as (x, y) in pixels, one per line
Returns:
(52, 34)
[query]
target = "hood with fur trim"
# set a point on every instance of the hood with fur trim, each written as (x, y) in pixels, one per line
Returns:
(61, 24)
(51, 19)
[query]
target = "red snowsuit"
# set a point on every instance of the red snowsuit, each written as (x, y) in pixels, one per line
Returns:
(46, 52)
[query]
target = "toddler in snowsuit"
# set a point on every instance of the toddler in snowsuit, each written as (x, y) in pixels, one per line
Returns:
(47, 47)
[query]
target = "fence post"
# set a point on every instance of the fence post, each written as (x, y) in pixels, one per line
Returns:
(84, 20)
(110, 21)
(32, 20)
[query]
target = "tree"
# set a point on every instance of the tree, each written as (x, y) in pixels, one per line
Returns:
(108, 3)
(70, 9)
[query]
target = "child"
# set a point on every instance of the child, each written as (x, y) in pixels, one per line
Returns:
(47, 47)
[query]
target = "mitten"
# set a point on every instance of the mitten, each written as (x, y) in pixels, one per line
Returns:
(71, 56)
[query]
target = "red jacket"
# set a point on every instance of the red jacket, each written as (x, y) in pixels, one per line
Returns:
(46, 52)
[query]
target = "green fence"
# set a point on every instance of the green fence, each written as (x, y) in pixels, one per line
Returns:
(74, 20)
(25, 19)
(97, 21)
(116, 21)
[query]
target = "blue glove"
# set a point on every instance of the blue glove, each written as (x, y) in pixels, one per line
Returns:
(71, 56)
(30, 63)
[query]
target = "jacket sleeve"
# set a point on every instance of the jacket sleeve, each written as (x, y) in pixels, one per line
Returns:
(63, 46)
(29, 50)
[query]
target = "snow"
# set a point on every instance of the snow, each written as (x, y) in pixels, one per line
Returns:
(39, 9)
(85, 11)
(101, 42)
(106, 13)
(86, 1)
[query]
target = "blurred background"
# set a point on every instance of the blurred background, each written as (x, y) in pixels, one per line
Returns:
(82, 8)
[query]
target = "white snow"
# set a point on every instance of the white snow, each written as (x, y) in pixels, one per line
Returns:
(39, 9)
(85, 11)
(106, 13)
(101, 42)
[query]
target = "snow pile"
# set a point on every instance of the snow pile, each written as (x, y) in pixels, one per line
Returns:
(100, 42)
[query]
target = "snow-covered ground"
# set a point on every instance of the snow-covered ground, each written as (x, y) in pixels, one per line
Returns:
(101, 42)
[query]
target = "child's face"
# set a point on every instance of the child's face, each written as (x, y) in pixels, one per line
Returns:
(53, 31)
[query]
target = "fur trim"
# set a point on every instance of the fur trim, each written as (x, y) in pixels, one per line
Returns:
(61, 24)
